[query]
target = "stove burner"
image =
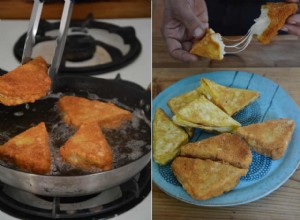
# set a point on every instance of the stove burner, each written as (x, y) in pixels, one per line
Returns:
(79, 47)
(106, 204)
(83, 47)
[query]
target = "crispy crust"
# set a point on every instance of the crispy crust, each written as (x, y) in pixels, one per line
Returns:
(27, 83)
(270, 138)
(278, 14)
(88, 149)
(178, 102)
(77, 111)
(29, 150)
(204, 179)
(167, 138)
(203, 112)
(231, 100)
(208, 47)
(226, 147)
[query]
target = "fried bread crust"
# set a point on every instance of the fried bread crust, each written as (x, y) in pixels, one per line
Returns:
(204, 179)
(226, 147)
(278, 13)
(88, 149)
(26, 83)
(270, 138)
(77, 111)
(29, 150)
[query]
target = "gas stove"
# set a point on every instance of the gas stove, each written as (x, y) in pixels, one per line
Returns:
(99, 50)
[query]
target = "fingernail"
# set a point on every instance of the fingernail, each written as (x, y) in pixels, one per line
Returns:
(198, 32)
(284, 29)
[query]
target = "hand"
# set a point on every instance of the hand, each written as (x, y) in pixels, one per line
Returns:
(184, 20)
(292, 25)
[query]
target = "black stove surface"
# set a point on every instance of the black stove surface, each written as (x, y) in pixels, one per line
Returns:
(133, 192)
(81, 46)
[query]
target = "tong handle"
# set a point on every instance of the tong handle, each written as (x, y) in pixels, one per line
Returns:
(32, 30)
(62, 35)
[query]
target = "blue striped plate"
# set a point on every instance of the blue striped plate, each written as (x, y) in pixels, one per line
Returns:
(265, 175)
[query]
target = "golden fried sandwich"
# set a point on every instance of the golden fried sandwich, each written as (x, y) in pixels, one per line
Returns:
(210, 46)
(230, 100)
(88, 149)
(29, 150)
(77, 111)
(270, 138)
(167, 138)
(178, 102)
(227, 148)
(272, 19)
(201, 113)
(204, 179)
(26, 83)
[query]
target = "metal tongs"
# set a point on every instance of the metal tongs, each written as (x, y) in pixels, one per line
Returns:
(60, 41)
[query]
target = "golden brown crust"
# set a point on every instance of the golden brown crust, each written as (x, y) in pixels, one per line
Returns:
(29, 150)
(27, 83)
(270, 138)
(204, 179)
(178, 102)
(208, 47)
(230, 100)
(88, 149)
(278, 14)
(226, 147)
(77, 111)
(167, 138)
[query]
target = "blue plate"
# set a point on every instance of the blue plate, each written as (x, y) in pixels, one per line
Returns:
(265, 175)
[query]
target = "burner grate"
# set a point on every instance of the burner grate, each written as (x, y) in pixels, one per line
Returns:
(85, 46)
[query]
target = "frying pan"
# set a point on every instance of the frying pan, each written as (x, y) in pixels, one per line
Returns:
(73, 183)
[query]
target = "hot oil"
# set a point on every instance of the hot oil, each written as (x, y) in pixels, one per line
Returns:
(128, 142)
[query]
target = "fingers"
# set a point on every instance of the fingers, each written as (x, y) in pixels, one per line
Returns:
(192, 22)
(292, 1)
(292, 25)
(292, 29)
(294, 19)
(178, 52)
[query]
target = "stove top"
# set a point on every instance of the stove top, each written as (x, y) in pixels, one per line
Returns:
(84, 53)
(138, 72)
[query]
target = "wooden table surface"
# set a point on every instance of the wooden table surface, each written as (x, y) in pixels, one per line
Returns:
(276, 64)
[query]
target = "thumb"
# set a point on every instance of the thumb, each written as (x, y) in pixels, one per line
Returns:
(192, 23)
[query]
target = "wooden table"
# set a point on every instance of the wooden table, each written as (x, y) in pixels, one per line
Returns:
(276, 62)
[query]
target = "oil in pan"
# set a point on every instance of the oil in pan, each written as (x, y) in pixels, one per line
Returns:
(128, 142)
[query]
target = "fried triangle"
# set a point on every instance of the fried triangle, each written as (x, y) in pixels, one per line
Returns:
(77, 111)
(210, 46)
(227, 148)
(29, 150)
(88, 149)
(230, 100)
(272, 19)
(178, 102)
(270, 138)
(26, 83)
(201, 113)
(167, 138)
(204, 179)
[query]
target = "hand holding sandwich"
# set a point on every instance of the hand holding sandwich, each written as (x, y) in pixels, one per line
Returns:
(292, 25)
(184, 21)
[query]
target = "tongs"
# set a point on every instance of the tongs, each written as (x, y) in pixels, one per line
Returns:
(61, 38)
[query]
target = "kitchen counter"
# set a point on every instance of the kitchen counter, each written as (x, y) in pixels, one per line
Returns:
(276, 62)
